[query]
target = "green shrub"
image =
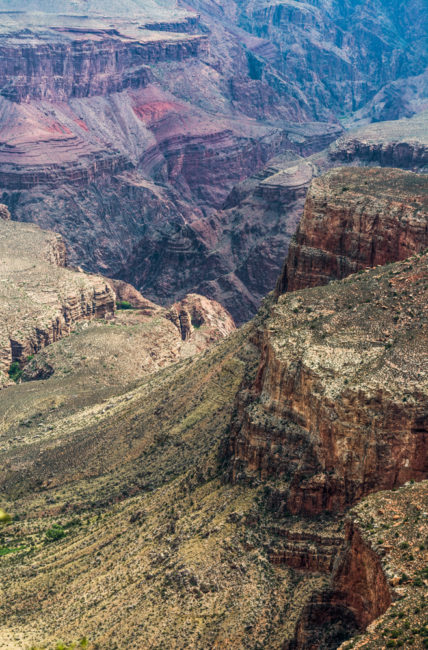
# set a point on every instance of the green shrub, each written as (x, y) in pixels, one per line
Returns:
(124, 304)
(15, 371)
(5, 517)
(5, 550)
(55, 533)
(73, 523)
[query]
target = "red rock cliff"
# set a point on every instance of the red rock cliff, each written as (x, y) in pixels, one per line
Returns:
(354, 219)
(339, 405)
(79, 64)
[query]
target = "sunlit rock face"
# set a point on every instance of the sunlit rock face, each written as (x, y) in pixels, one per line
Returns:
(338, 407)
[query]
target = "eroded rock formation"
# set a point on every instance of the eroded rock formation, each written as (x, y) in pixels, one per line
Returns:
(355, 219)
(4, 213)
(338, 408)
(41, 300)
(401, 143)
(194, 312)
(129, 295)
(102, 118)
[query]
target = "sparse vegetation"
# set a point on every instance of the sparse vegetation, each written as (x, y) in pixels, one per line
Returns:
(123, 304)
(15, 372)
(55, 533)
(149, 521)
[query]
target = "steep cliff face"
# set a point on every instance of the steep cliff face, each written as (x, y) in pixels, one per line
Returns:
(84, 65)
(354, 219)
(41, 300)
(359, 582)
(338, 408)
(384, 545)
(236, 255)
(377, 583)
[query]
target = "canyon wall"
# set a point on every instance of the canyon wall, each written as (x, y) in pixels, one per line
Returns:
(94, 64)
(331, 55)
(338, 408)
(401, 143)
(42, 301)
(107, 139)
(355, 219)
(128, 136)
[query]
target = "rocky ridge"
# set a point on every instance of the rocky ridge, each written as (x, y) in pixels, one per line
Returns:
(401, 143)
(43, 301)
(335, 360)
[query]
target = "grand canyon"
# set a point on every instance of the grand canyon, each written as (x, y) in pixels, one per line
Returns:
(213, 324)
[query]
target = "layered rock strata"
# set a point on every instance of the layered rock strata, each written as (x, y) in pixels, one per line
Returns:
(355, 219)
(338, 408)
(107, 139)
(89, 65)
(378, 578)
(330, 56)
(401, 143)
(41, 300)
